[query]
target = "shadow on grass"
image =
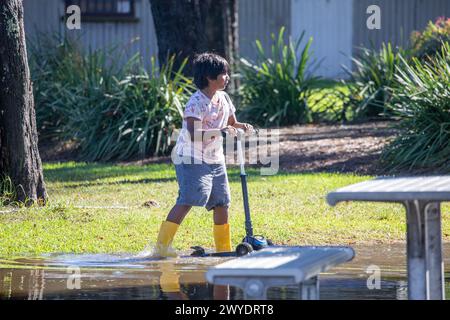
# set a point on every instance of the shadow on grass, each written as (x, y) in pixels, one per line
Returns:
(91, 174)
(110, 183)
(233, 176)
(73, 172)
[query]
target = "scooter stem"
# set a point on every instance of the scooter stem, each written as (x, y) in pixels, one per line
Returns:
(239, 136)
(248, 221)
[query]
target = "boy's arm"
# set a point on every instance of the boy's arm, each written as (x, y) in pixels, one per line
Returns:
(190, 121)
(232, 121)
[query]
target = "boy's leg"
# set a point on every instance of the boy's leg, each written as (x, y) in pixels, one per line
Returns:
(178, 212)
(220, 215)
(168, 230)
(219, 200)
(222, 237)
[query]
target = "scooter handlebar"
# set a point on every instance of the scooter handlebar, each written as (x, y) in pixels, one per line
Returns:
(241, 132)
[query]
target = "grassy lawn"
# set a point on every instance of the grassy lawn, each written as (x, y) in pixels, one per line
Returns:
(100, 208)
(325, 99)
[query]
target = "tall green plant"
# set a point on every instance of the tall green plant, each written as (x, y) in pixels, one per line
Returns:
(7, 190)
(422, 100)
(65, 78)
(113, 110)
(276, 87)
(371, 82)
(136, 118)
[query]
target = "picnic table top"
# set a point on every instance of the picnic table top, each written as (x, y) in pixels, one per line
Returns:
(301, 263)
(393, 189)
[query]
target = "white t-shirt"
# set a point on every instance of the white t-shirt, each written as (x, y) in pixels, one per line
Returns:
(213, 115)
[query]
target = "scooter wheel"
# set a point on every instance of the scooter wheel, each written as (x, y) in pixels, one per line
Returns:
(243, 248)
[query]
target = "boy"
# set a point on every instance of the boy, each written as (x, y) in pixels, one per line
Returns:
(202, 175)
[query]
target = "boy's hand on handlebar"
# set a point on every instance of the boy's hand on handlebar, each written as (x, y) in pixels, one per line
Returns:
(230, 130)
(247, 127)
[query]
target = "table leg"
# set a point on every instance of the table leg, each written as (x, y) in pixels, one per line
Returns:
(433, 253)
(424, 251)
(309, 290)
(415, 251)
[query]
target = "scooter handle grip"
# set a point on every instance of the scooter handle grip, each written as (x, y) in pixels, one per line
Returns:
(240, 132)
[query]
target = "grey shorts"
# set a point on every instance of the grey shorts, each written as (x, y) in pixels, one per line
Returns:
(203, 185)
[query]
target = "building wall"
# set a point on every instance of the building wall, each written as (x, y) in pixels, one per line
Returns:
(43, 15)
(337, 26)
(258, 19)
(398, 19)
(329, 23)
(133, 37)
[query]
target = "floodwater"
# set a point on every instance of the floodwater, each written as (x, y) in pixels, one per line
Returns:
(100, 276)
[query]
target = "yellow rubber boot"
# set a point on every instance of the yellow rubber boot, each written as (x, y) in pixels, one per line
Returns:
(163, 244)
(222, 237)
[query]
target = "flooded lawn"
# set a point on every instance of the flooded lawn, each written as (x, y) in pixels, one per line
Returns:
(100, 276)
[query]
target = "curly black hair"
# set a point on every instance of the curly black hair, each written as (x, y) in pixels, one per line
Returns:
(208, 65)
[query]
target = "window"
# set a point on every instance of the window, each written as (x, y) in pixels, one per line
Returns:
(105, 10)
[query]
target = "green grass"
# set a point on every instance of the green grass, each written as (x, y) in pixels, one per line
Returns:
(327, 100)
(288, 208)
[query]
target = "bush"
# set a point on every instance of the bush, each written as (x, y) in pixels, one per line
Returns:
(114, 111)
(422, 100)
(7, 191)
(428, 43)
(275, 89)
(370, 85)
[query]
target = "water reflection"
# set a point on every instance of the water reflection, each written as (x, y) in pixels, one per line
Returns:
(135, 277)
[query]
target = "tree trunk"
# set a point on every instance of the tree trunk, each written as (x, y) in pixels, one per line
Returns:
(232, 38)
(187, 27)
(19, 155)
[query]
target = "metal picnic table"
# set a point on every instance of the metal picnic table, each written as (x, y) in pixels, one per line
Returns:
(280, 266)
(422, 197)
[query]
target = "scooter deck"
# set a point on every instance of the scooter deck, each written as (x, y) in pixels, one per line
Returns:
(216, 254)
(201, 252)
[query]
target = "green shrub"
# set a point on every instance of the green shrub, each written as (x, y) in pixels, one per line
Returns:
(370, 84)
(275, 89)
(7, 191)
(428, 42)
(113, 110)
(52, 64)
(422, 100)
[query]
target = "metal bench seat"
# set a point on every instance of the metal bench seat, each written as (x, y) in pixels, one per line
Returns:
(280, 266)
